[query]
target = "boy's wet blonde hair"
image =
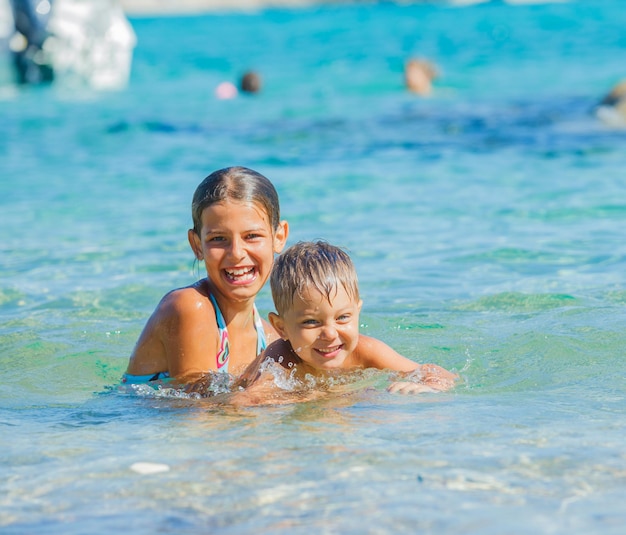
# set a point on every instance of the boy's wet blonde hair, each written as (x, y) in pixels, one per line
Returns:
(312, 265)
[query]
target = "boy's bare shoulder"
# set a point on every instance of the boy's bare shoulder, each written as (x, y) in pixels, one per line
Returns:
(374, 353)
(368, 345)
(280, 351)
(365, 348)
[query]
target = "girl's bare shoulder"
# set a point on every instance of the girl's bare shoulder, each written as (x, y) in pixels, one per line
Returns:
(184, 301)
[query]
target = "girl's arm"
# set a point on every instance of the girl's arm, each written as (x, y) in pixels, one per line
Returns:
(180, 337)
(189, 334)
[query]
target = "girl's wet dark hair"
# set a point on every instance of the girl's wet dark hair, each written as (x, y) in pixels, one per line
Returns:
(237, 184)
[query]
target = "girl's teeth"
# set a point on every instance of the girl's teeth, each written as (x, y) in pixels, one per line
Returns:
(247, 273)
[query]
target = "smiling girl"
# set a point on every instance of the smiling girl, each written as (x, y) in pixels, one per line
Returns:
(213, 325)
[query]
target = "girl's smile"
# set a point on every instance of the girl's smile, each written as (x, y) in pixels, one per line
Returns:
(241, 275)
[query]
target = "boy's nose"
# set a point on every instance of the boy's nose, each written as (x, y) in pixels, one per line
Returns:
(329, 332)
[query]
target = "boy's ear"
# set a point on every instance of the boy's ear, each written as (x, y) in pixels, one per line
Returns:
(277, 322)
(280, 236)
(194, 242)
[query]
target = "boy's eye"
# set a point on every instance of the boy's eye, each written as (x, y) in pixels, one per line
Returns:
(309, 323)
(344, 318)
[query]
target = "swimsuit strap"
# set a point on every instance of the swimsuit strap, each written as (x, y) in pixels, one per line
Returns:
(261, 342)
(138, 379)
(224, 350)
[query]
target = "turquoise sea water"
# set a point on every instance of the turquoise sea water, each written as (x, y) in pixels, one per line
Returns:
(487, 225)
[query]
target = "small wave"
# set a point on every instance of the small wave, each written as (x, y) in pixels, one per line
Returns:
(519, 302)
(277, 384)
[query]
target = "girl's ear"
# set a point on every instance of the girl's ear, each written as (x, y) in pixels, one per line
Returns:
(277, 322)
(280, 236)
(194, 242)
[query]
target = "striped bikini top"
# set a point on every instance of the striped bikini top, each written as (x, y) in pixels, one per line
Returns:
(223, 353)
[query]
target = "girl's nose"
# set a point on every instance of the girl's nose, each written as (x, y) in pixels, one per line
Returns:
(237, 249)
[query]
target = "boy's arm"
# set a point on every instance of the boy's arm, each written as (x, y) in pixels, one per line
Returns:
(252, 386)
(278, 351)
(373, 353)
(252, 372)
(265, 391)
(258, 387)
(250, 375)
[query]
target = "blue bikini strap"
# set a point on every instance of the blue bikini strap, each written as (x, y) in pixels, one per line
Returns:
(224, 350)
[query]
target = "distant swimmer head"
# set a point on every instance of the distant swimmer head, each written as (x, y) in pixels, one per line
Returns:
(225, 90)
(616, 95)
(251, 82)
(418, 76)
(611, 110)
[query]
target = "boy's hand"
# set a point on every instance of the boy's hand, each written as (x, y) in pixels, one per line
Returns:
(437, 377)
(408, 387)
(427, 378)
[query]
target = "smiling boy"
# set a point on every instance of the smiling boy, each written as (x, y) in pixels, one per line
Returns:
(316, 295)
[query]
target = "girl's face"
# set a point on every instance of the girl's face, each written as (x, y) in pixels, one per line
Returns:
(237, 244)
(323, 334)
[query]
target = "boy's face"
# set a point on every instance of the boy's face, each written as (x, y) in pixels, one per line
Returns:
(323, 334)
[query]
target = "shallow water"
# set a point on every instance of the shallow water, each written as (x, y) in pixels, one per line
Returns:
(486, 222)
